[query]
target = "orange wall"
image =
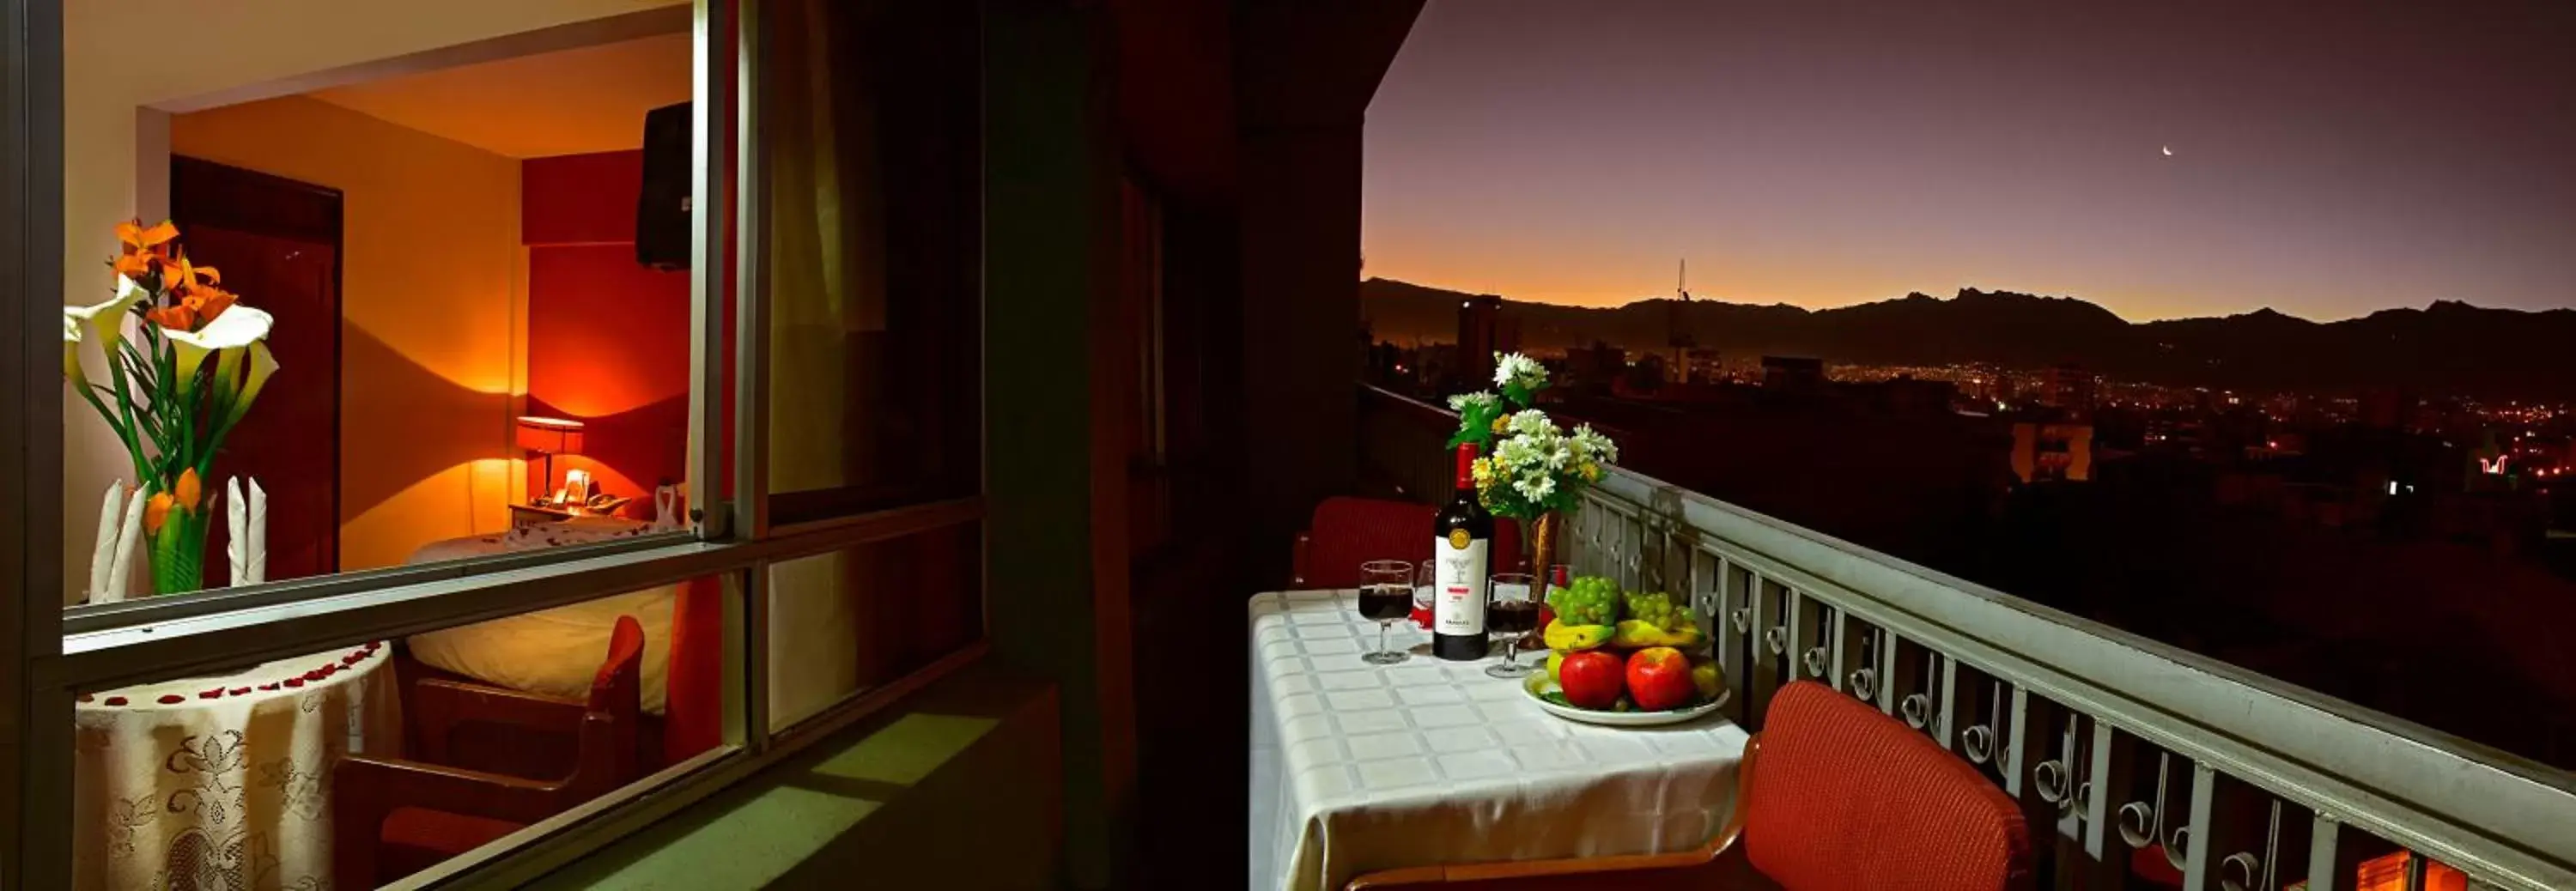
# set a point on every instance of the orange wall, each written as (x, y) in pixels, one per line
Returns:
(431, 302)
(230, 46)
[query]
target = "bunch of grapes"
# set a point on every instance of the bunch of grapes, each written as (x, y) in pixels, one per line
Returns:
(1588, 600)
(1658, 609)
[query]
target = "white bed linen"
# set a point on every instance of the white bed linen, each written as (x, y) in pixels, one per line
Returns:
(556, 651)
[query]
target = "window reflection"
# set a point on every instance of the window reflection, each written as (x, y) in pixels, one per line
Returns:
(874, 237)
(844, 622)
(360, 765)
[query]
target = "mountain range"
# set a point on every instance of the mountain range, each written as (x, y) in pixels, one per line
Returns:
(2445, 348)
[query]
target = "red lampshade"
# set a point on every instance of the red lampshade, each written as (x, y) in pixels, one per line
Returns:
(550, 436)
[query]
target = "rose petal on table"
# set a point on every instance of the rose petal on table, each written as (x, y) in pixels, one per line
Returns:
(116, 700)
(241, 691)
(268, 686)
(172, 699)
(210, 694)
(295, 682)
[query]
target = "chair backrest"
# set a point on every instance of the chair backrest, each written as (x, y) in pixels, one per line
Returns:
(618, 688)
(1846, 797)
(1346, 532)
(693, 710)
(612, 725)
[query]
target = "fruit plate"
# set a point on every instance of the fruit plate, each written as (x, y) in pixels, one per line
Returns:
(1539, 684)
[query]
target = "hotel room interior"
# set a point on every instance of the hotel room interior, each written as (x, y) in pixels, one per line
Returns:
(472, 227)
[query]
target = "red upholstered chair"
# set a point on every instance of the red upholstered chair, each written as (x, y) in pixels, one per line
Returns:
(693, 700)
(1346, 532)
(392, 817)
(1832, 796)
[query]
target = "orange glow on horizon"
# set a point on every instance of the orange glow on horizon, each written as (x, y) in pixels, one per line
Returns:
(1828, 291)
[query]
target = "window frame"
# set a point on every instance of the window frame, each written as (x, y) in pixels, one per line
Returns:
(47, 654)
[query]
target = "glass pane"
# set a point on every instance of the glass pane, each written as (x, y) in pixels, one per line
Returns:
(874, 224)
(848, 621)
(445, 294)
(359, 765)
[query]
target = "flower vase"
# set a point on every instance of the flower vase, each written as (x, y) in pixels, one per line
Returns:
(1543, 546)
(179, 551)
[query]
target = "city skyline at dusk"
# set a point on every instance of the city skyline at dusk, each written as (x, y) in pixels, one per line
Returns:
(2323, 166)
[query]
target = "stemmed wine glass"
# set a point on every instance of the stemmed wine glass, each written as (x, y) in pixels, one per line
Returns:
(1559, 575)
(1386, 594)
(1511, 612)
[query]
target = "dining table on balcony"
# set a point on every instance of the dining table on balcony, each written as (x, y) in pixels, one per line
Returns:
(1357, 768)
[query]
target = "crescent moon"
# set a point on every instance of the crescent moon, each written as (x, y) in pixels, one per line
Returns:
(2168, 151)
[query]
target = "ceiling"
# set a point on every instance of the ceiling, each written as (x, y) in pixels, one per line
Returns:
(567, 102)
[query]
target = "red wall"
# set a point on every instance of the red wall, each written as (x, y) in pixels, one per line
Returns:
(608, 339)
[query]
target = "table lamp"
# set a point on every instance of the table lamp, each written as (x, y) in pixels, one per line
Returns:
(549, 437)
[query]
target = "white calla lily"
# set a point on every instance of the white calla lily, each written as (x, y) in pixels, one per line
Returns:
(262, 365)
(106, 318)
(239, 326)
(71, 351)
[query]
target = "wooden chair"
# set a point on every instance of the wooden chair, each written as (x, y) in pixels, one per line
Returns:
(1345, 532)
(1832, 796)
(392, 817)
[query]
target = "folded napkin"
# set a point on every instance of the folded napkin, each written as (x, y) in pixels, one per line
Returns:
(102, 552)
(246, 519)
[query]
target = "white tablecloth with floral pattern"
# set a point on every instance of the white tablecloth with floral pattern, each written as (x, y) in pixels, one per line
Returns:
(224, 782)
(1357, 768)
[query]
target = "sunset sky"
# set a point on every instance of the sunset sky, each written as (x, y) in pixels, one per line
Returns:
(1830, 153)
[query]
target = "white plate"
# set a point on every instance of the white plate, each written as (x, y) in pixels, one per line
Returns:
(1539, 682)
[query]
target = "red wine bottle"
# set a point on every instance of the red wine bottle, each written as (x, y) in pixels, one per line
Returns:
(1463, 540)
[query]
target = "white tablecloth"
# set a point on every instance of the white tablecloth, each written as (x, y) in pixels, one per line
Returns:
(1357, 768)
(224, 782)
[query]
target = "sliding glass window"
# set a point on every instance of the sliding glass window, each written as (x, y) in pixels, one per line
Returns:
(370, 289)
(873, 233)
(469, 420)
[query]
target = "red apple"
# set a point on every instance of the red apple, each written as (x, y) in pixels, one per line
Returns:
(1592, 679)
(1659, 678)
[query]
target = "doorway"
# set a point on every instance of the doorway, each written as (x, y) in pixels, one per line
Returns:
(278, 243)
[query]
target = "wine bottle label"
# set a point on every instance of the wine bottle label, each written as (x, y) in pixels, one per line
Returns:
(1459, 585)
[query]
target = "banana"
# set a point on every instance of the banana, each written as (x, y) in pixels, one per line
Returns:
(1638, 633)
(1563, 637)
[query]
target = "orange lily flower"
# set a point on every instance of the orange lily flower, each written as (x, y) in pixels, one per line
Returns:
(190, 492)
(141, 239)
(195, 307)
(156, 512)
(209, 301)
(180, 317)
(134, 266)
(180, 274)
(141, 247)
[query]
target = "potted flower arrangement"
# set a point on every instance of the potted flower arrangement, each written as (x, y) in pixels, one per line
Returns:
(1530, 470)
(180, 376)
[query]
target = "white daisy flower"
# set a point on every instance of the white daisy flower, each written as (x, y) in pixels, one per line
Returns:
(1532, 422)
(1535, 488)
(1514, 368)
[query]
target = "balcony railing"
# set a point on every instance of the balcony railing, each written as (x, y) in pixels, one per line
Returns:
(2121, 749)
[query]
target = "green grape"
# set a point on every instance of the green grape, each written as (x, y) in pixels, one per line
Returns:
(1657, 608)
(1588, 600)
